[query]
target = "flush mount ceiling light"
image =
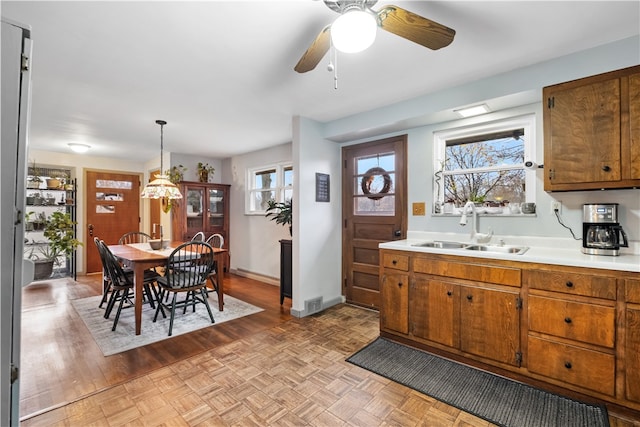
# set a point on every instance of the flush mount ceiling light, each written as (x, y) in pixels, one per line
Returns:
(79, 148)
(161, 187)
(474, 110)
(354, 30)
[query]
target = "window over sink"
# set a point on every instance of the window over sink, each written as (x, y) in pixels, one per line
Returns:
(485, 163)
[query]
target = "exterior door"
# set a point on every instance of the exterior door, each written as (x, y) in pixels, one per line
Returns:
(374, 211)
(113, 208)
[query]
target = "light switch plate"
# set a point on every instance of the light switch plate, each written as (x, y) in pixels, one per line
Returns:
(419, 208)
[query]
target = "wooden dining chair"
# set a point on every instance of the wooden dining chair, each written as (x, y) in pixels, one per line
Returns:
(134, 237)
(217, 241)
(150, 276)
(198, 237)
(186, 272)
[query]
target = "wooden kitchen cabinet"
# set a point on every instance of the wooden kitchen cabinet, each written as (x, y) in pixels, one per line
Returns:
(490, 323)
(394, 295)
(632, 340)
(435, 310)
(463, 307)
(204, 207)
(592, 132)
(575, 329)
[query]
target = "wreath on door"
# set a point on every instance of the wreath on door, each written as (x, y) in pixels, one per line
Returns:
(369, 178)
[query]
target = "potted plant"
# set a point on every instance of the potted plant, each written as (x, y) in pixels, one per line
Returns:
(176, 173)
(34, 180)
(281, 213)
(204, 170)
(60, 241)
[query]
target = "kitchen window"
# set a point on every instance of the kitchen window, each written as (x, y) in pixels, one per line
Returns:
(273, 182)
(484, 163)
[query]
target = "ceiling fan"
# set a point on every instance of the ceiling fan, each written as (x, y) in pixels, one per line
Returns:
(390, 18)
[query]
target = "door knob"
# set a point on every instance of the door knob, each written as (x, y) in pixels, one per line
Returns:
(91, 230)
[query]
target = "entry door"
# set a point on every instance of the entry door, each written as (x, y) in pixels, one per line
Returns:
(374, 211)
(113, 209)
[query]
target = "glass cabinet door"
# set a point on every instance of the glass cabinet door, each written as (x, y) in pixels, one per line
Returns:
(216, 208)
(193, 198)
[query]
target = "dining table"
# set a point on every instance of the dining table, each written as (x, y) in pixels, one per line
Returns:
(140, 256)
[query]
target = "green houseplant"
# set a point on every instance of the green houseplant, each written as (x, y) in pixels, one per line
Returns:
(60, 241)
(281, 213)
(204, 170)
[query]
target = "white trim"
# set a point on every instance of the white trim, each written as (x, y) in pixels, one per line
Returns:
(279, 187)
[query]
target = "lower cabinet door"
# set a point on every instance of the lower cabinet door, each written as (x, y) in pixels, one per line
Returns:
(394, 302)
(490, 324)
(434, 309)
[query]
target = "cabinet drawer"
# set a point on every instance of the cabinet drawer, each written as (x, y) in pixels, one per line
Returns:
(572, 283)
(476, 272)
(585, 368)
(395, 261)
(590, 323)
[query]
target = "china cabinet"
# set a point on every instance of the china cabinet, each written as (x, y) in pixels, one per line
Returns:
(204, 207)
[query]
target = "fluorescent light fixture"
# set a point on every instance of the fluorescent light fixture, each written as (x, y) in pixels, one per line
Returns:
(474, 110)
(353, 31)
(79, 148)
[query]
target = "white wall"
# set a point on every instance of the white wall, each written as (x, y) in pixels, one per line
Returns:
(191, 163)
(317, 231)
(255, 247)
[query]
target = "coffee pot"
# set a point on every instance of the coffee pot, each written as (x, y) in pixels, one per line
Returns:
(602, 234)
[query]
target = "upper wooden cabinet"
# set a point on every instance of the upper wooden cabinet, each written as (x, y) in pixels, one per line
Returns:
(204, 207)
(592, 132)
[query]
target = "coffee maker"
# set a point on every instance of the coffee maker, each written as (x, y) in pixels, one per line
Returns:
(601, 232)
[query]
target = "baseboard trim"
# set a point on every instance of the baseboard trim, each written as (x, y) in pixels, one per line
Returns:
(275, 281)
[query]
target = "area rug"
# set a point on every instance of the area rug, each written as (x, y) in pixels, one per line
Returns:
(490, 397)
(124, 338)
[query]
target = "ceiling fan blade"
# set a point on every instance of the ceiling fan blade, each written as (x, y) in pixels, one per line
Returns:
(315, 52)
(414, 27)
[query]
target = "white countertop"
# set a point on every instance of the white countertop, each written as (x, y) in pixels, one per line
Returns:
(544, 250)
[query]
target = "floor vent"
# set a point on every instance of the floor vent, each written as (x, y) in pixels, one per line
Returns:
(312, 306)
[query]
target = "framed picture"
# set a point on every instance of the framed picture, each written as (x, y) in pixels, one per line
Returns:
(322, 187)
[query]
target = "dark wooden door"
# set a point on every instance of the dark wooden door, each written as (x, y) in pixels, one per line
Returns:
(112, 207)
(374, 211)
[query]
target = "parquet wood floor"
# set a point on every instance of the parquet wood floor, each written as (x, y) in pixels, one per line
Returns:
(266, 369)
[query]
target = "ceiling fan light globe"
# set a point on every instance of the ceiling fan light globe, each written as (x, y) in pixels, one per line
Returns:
(353, 31)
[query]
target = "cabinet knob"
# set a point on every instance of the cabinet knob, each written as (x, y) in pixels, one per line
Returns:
(469, 297)
(394, 262)
(567, 365)
(606, 168)
(449, 293)
(399, 284)
(567, 319)
(569, 284)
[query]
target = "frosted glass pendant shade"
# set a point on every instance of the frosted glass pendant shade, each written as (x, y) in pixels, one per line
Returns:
(353, 31)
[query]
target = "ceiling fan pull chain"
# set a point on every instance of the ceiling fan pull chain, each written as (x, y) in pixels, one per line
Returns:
(335, 68)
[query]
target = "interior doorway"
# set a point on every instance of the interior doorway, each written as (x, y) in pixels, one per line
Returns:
(374, 210)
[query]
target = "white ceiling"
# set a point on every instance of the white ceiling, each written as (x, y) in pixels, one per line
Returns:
(221, 72)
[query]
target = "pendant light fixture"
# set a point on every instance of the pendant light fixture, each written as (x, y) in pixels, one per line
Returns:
(161, 187)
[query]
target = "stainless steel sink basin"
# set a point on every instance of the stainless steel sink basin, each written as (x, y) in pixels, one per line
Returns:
(518, 250)
(441, 245)
(500, 249)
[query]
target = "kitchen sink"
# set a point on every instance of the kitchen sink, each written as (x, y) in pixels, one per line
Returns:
(502, 249)
(441, 245)
(518, 250)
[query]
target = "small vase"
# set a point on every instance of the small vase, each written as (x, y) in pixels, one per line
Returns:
(203, 176)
